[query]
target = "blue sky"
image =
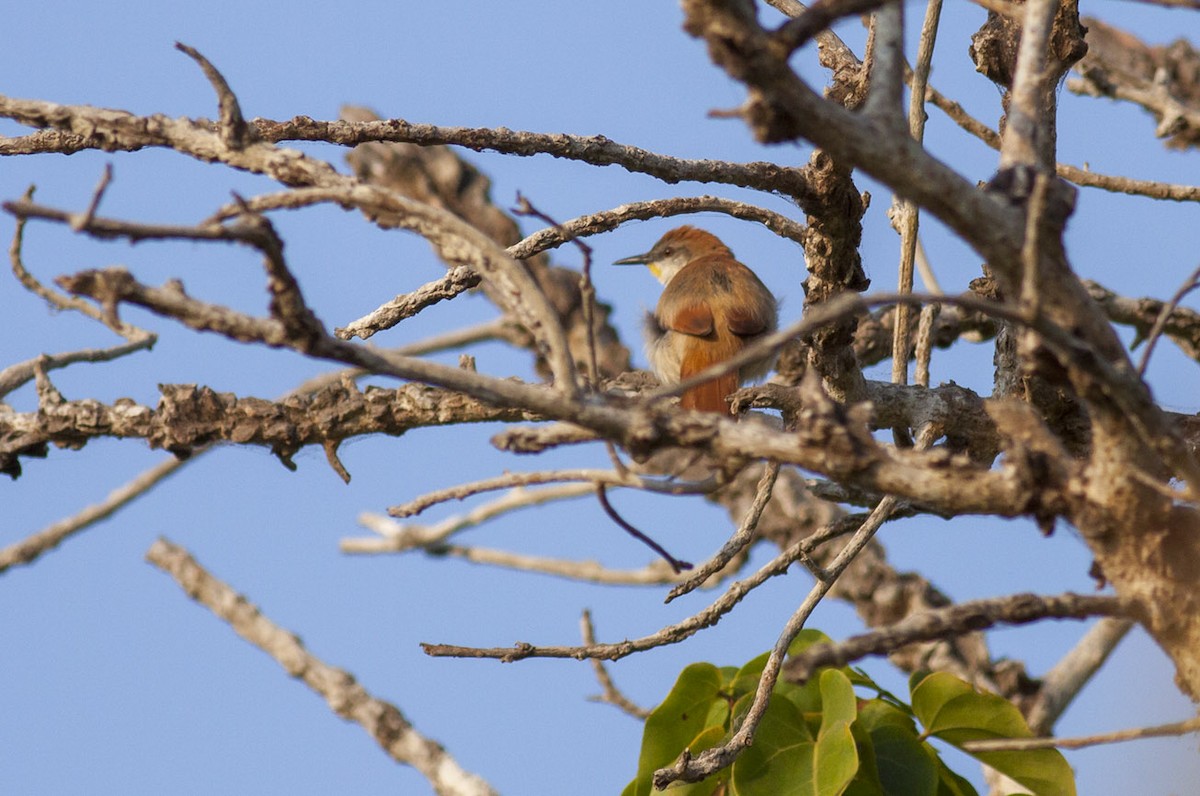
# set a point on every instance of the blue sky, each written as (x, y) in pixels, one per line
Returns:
(115, 682)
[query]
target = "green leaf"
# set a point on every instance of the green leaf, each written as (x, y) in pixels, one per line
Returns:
(952, 710)
(889, 728)
(905, 764)
(688, 717)
(866, 779)
(835, 759)
(747, 677)
(876, 713)
(838, 703)
(807, 638)
(836, 754)
(786, 760)
(861, 678)
(807, 697)
(950, 783)
(780, 762)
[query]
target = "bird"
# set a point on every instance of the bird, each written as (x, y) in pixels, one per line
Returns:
(711, 307)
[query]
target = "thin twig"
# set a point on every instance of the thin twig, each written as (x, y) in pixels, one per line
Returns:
(535, 439)
(740, 539)
(926, 270)
(1068, 677)
(657, 573)
(21, 373)
(235, 133)
(457, 280)
(606, 477)
(672, 634)
(1119, 736)
(953, 620)
(611, 695)
(1164, 315)
(607, 220)
(1127, 185)
(81, 222)
(929, 314)
(1151, 189)
(25, 209)
(677, 565)
(496, 329)
(708, 762)
(395, 537)
(32, 547)
(909, 213)
(382, 720)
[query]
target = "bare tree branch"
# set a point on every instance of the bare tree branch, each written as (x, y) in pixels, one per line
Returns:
(1068, 677)
(672, 634)
(1029, 129)
(1182, 325)
(605, 220)
(382, 720)
(189, 417)
(887, 67)
(234, 131)
(606, 477)
(596, 150)
(708, 762)
(612, 695)
(456, 241)
(456, 281)
(1120, 736)
(737, 543)
(395, 537)
(33, 547)
(949, 621)
(1163, 80)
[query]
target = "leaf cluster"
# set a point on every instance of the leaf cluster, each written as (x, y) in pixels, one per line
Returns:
(823, 739)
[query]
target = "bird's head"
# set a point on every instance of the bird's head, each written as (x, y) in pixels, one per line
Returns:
(675, 250)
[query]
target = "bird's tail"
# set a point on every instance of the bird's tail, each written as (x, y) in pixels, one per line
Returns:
(709, 396)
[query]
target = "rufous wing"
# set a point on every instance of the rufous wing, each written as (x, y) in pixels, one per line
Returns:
(693, 319)
(748, 323)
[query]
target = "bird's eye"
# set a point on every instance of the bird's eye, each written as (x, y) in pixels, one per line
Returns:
(667, 252)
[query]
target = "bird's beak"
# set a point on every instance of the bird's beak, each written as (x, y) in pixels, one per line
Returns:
(637, 259)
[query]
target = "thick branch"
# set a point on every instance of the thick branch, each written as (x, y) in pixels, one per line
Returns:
(189, 417)
(1165, 80)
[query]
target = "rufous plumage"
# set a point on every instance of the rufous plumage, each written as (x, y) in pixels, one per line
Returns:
(711, 307)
